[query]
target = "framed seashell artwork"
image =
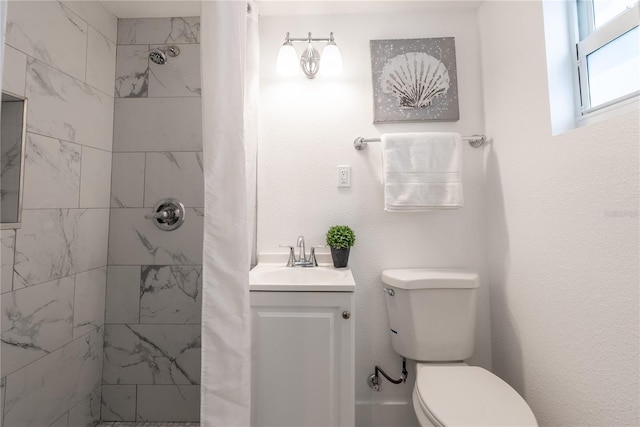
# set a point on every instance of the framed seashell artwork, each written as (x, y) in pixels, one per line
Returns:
(414, 80)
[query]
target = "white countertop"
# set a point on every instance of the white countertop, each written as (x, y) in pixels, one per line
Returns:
(272, 274)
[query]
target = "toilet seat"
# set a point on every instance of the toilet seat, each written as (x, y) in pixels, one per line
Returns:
(459, 395)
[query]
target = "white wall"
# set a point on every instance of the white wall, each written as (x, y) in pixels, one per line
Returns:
(308, 128)
(563, 235)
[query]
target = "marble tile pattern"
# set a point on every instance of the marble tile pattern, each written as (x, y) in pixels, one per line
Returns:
(54, 383)
(89, 248)
(66, 108)
(118, 402)
(148, 424)
(13, 75)
(134, 240)
(132, 71)
(177, 30)
(7, 250)
(2, 390)
(62, 57)
(123, 294)
(53, 34)
(89, 301)
(152, 354)
(18, 281)
(187, 178)
(157, 124)
(35, 321)
(10, 155)
(96, 15)
(101, 61)
(63, 421)
(168, 403)
(70, 240)
(51, 173)
(127, 180)
(171, 294)
(179, 76)
(87, 412)
(95, 182)
(154, 285)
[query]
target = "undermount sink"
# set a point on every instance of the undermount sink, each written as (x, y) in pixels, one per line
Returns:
(278, 277)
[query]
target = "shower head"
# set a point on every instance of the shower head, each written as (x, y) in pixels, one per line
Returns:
(159, 54)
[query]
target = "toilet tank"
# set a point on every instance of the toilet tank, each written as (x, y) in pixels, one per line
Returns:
(432, 312)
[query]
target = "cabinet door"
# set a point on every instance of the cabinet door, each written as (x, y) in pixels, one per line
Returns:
(302, 359)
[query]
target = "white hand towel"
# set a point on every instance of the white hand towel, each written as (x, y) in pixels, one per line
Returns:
(422, 171)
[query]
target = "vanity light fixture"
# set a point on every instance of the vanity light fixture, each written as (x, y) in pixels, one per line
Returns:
(330, 64)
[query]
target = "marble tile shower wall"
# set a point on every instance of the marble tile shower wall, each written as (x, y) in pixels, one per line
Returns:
(61, 56)
(153, 305)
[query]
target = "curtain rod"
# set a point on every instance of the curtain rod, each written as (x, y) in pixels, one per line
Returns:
(475, 141)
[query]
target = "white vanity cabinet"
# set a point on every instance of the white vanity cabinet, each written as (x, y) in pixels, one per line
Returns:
(302, 358)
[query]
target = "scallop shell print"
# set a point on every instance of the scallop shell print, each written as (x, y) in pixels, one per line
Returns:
(415, 79)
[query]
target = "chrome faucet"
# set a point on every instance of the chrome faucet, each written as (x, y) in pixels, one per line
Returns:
(301, 260)
(302, 256)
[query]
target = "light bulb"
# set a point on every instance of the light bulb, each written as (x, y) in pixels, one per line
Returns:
(331, 60)
(287, 61)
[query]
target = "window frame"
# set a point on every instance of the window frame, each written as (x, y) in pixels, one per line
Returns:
(592, 39)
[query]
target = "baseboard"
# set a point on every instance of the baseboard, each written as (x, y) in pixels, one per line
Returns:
(385, 414)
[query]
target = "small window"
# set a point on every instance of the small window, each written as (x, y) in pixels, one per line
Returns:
(608, 53)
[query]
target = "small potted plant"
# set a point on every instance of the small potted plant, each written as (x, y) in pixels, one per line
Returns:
(340, 238)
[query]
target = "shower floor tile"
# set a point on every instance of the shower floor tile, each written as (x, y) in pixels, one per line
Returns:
(146, 424)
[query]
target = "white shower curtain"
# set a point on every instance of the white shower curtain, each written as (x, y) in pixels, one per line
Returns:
(251, 96)
(229, 48)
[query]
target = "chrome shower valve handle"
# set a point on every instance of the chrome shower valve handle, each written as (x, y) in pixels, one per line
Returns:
(168, 214)
(163, 214)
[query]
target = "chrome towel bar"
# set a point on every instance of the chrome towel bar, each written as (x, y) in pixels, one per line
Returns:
(475, 141)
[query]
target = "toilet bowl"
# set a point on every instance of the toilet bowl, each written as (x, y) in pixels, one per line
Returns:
(466, 396)
(432, 314)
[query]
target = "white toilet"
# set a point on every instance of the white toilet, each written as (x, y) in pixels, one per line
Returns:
(432, 316)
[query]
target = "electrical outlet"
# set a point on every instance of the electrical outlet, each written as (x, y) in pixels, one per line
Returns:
(344, 176)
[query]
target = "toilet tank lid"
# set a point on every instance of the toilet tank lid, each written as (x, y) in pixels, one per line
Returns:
(430, 278)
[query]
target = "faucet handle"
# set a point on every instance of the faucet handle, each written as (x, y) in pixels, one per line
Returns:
(292, 256)
(312, 254)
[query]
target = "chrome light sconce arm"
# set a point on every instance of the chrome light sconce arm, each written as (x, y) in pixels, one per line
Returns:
(310, 62)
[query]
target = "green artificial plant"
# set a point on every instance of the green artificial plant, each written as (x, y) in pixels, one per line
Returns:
(340, 237)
